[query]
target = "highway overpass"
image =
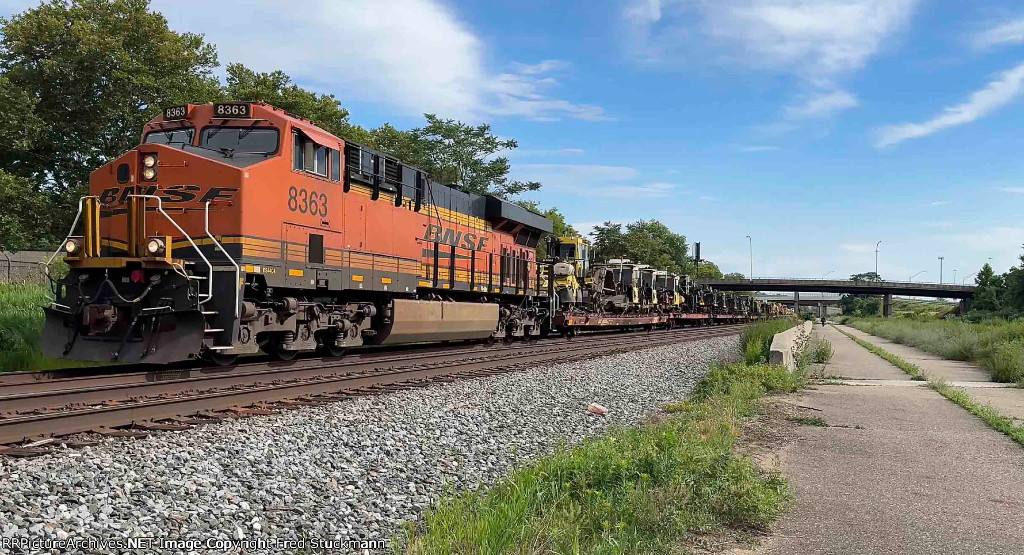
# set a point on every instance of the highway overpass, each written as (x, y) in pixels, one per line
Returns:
(884, 288)
(801, 285)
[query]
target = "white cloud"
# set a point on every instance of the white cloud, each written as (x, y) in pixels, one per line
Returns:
(414, 55)
(820, 42)
(1008, 32)
(758, 148)
(707, 198)
(817, 40)
(1014, 190)
(938, 203)
(823, 104)
(999, 92)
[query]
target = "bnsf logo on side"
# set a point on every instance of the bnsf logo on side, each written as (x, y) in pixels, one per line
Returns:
(449, 236)
(174, 193)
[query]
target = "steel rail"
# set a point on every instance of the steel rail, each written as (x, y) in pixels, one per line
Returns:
(66, 422)
(94, 393)
(15, 383)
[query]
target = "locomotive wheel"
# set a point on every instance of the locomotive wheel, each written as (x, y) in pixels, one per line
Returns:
(219, 358)
(275, 351)
(490, 340)
(332, 350)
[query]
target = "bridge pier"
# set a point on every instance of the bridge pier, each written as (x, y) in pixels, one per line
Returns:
(965, 305)
(796, 302)
(887, 305)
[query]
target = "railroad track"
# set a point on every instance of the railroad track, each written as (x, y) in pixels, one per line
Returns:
(38, 414)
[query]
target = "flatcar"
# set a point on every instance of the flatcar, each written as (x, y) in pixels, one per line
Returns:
(237, 227)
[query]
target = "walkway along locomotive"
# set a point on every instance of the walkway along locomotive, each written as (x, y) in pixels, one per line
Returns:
(237, 227)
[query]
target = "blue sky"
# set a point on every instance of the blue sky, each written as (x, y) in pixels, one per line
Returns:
(816, 127)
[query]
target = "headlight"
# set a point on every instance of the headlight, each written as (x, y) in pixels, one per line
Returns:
(149, 160)
(72, 246)
(155, 246)
(149, 174)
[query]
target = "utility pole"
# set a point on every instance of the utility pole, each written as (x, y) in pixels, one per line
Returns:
(876, 258)
(751, 242)
(941, 258)
(954, 276)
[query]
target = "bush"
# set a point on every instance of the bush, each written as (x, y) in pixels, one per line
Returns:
(1007, 362)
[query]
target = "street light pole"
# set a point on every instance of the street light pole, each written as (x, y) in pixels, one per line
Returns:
(826, 274)
(915, 275)
(876, 258)
(751, 243)
(954, 276)
(941, 258)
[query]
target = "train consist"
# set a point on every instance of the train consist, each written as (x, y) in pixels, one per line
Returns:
(235, 228)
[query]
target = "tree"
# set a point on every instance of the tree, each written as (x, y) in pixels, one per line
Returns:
(989, 290)
(866, 277)
(80, 78)
(25, 215)
(276, 88)
(95, 72)
(860, 305)
(559, 227)
(461, 154)
(608, 241)
(652, 242)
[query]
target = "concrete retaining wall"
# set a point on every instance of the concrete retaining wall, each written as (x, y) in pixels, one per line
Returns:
(787, 344)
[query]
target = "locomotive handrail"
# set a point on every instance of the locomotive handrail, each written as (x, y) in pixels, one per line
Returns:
(74, 224)
(238, 270)
(160, 209)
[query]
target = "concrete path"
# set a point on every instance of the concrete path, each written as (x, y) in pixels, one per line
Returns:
(1006, 398)
(899, 470)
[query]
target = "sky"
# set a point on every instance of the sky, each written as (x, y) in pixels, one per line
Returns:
(817, 128)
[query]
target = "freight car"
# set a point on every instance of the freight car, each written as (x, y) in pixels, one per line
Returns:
(237, 227)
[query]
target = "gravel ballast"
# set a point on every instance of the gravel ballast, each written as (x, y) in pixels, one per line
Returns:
(355, 469)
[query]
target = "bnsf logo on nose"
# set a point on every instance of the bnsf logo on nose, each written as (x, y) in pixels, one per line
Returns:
(449, 236)
(174, 193)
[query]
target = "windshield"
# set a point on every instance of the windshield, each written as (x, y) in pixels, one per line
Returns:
(182, 135)
(240, 140)
(567, 251)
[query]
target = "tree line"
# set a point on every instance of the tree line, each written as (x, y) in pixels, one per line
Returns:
(80, 78)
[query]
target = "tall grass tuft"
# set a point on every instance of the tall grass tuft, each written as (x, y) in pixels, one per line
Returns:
(21, 328)
(756, 339)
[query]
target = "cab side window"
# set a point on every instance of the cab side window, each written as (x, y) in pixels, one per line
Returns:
(310, 157)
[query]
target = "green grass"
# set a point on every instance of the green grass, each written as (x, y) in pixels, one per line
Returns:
(21, 327)
(988, 413)
(997, 345)
(757, 339)
(648, 489)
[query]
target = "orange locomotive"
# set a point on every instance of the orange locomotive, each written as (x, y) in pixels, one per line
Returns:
(237, 227)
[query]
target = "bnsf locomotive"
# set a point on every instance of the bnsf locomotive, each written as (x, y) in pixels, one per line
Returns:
(237, 227)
